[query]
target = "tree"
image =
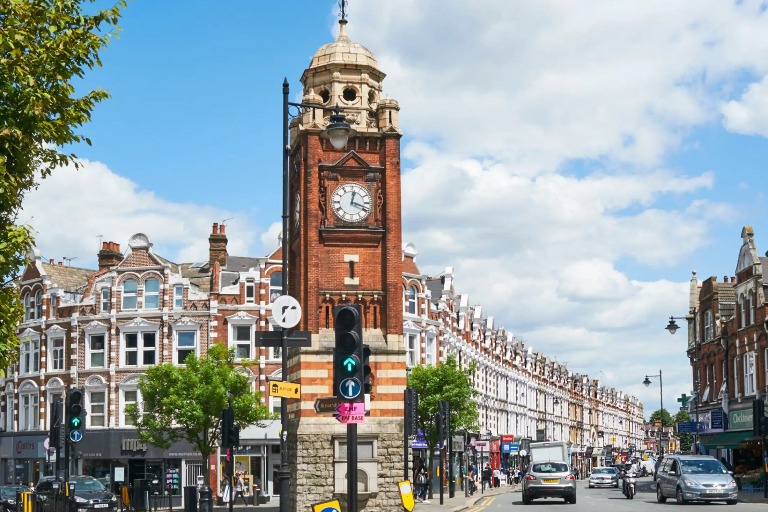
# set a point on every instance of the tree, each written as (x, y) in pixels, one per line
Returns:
(445, 381)
(44, 47)
(686, 438)
(657, 416)
(185, 402)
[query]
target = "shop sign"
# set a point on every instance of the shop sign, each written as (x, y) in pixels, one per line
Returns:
(740, 420)
(133, 445)
(718, 420)
(27, 448)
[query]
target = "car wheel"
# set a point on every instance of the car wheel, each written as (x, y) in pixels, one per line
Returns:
(731, 502)
(616, 486)
(526, 499)
(680, 497)
(573, 500)
(659, 496)
(591, 486)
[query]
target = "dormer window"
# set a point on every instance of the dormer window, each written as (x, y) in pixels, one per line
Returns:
(250, 291)
(178, 297)
(151, 294)
(130, 288)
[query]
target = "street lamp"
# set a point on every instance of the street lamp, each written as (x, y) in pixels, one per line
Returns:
(338, 131)
(672, 327)
(647, 383)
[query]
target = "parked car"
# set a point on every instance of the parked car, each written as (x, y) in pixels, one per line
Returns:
(88, 495)
(694, 478)
(8, 496)
(550, 480)
(604, 477)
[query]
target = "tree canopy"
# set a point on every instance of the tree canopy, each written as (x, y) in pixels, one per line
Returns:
(44, 48)
(657, 416)
(445, 381)
(185, 402)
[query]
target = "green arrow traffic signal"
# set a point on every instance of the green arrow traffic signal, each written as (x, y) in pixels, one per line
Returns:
(350, 364)
(75, 422)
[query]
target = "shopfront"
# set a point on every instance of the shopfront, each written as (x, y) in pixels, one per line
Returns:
(257, 458)
(745, 449)
(24, 458)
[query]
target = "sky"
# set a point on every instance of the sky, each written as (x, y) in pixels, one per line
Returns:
(573, 162)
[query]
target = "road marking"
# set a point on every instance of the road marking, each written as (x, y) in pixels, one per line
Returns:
(484, 502)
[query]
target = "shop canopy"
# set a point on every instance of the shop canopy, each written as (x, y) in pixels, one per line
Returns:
(727, 439)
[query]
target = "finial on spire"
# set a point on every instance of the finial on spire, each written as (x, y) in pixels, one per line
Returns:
(343, 9)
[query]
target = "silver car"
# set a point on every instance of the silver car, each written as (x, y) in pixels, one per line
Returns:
(694, 478)
(549, 480)
(604, 477)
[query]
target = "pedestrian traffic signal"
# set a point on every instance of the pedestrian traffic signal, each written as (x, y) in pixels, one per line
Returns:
(348, 373)
(55, 427)
(75, 415)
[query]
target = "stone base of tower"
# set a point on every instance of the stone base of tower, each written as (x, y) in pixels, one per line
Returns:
(317, 456)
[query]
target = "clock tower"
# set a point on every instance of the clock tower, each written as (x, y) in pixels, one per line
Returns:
(345, 248)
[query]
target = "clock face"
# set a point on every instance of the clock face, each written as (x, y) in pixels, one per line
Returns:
(351, 202)
(296, 210)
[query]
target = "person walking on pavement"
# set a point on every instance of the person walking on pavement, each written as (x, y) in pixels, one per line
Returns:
(421, 480)
(239, 489)
(487, 474)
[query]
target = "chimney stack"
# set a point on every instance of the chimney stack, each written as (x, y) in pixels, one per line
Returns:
(109, 255)
(217, 246)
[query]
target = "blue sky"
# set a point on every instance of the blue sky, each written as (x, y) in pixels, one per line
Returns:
(572, 162)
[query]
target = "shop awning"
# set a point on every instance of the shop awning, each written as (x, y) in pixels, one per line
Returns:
(726, 439)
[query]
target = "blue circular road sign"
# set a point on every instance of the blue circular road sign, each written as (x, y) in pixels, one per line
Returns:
(75, 436)
(350, 387)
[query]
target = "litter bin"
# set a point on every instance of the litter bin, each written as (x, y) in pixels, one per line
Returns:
(190, 498)
(205, 499)
(140, 496)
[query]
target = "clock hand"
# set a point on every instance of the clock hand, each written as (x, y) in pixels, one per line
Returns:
(361, 206)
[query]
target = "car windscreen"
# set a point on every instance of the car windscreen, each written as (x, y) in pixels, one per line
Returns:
(605, 471)
(88, 485)
(702, 467)
(549, 467)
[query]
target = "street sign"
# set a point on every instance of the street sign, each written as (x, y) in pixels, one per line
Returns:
(292, 338)
(327, 506)
(350, 388)
(350, 418)
(75, 436)
(286, 389)
(351, 408)
(286, 311)
(327, 404)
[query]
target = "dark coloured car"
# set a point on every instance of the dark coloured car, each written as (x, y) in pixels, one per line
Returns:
(8, 496)
(549, 480)
(87, 495)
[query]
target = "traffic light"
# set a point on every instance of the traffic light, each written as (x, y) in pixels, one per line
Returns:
(411, 412)
(53, 433)
(348, 373)
(230, 433)
(75, 415)
(367, 376)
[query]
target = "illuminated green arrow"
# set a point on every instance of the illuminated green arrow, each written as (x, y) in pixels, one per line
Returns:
(349, 364)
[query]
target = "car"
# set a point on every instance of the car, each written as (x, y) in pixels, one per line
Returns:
(604, 477)
(88, 495)
(695, 478)
(549, 480)
(8, 496)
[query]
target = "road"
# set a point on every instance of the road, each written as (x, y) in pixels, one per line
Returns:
(607, 499)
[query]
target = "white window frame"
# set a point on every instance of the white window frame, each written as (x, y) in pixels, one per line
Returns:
(241, 345)
(10, 403)
(250, 291)
(104, 297)
(241, 320)
(54, 299)
(410, 295)
(153, 295)
(178, 296)
(141, 350)
(274, 405)
(38, 304)
(125, 393)
(185, 326)
(29, 310)
(430, 350)
(56, 353)
(97, 410)
(274, 290)
(708, 326)
(736, 376)
(132, 296)
(90, 352)
(29, 407)
(412, 349)
(743, 310)
(752, 301)
(750, 384)
(29, 361)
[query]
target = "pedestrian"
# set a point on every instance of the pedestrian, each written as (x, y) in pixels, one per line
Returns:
(239, 489)
(421, 481)
(517, 475)
(471, 481)
(487, 474)
(496, 478)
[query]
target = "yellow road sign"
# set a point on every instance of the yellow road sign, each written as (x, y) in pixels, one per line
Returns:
(327, 506)
(286, 389)
(406, 495)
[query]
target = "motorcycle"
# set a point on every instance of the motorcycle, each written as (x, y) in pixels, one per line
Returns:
(630, 485)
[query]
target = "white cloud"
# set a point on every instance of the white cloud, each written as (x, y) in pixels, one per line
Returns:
(749, 114)
(72, 209)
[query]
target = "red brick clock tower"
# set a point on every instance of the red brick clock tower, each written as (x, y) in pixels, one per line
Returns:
(345, 247)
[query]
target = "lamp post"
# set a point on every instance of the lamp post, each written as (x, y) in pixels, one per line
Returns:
(647, 383)
(338, 131)
(672, 327)
(555, 401)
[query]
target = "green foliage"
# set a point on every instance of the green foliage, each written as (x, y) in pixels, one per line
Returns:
(44, 47)
(185, 402)
(447, 382)
(686, 438)
(657, 416)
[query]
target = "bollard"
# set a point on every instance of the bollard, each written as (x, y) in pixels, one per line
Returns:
(190, 498)
(206, 500)
(125, 498)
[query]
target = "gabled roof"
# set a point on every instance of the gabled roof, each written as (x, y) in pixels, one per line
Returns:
(69, 279)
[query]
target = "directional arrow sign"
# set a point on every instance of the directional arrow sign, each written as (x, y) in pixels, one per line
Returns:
(327, 404)
(75, 436)
(350, 418)
(350, 387)
(350, 364)
(351, 408)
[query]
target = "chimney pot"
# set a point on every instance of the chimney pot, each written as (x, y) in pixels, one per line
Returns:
(60, 264)
(725, 279)
(50, 261)
(221, 229)
(733, 279)
(105, 245)
(215, 228)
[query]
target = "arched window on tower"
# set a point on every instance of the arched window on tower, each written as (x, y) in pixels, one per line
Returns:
(409, 300)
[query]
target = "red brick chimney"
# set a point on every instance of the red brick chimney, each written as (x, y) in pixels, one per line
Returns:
(109, 255)
(217, 246)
